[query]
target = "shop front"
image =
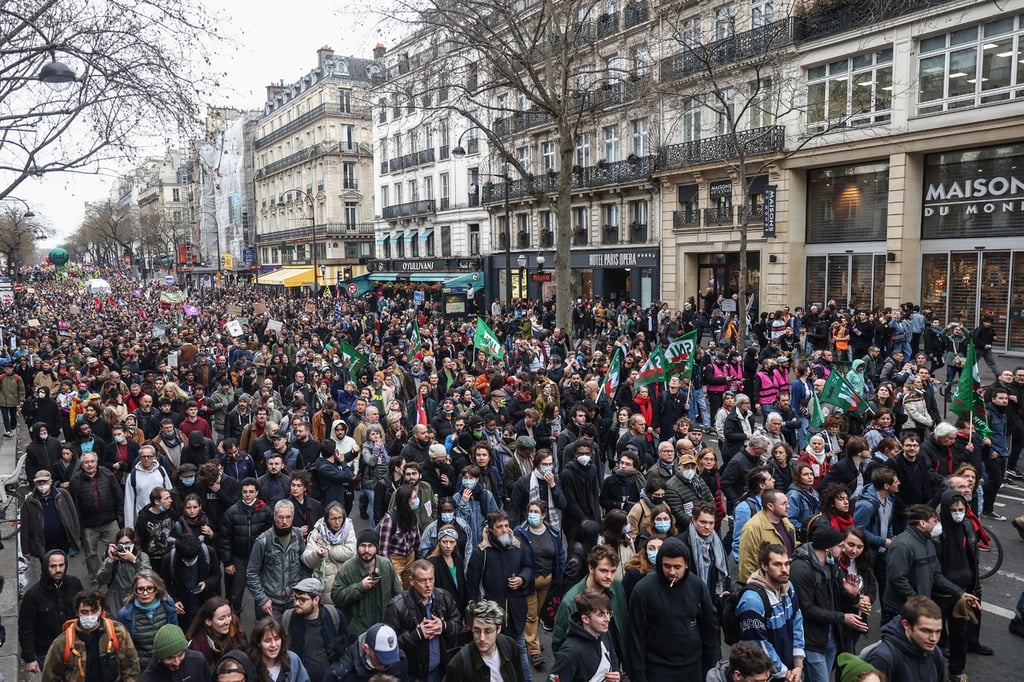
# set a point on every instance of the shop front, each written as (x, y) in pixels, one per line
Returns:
(972, 260)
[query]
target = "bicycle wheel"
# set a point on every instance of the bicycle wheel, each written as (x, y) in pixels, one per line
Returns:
(990, 561)
(10, 515)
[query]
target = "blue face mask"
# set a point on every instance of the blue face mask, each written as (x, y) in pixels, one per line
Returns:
(469, 483)
(662, 526)
(533, 518)
(544, 470)
(189, 482)
(447, 517)
(652, 556)
(414, 504)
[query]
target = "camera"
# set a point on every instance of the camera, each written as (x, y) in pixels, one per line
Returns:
(121, 549)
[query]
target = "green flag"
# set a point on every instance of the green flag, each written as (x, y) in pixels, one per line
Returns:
(487, 341)
(611, 379)
(415, 339)
(839, 392)
(654, 370)
(351, 358)
(814, 412)
(679, 356)
(967, 401)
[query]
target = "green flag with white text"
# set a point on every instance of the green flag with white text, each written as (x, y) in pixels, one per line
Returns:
(679, 356)
(351, 358)
(486, 340)
(654, 370)
(611, 379)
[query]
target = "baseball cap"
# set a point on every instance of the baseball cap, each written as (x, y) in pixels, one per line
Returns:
(688, 459)
(384, 642)
(42, 475)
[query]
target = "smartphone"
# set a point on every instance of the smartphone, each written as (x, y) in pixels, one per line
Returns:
(374, 575)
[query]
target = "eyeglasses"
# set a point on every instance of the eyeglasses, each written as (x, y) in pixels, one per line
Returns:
(301, 598)
(600, 614)
(145, 589)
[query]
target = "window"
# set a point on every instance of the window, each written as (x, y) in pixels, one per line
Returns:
(400, 245)
(691, 32)
(345, 100)
(351, 212)
(445, 141)
(641, 61)
(414, 140)
(396, 107)
(847, 203)
(398, 193)
(176, 194)
(414, 191)
(725, 21)
(446, 241)
(428, 188)
(611, 215)
(762, 103)
(583, 150)
(762, 13)
(348, 174)
(398, 144)
(638, 212)
(384, 200)
(430, 253)
(613, 69)
(445, 186)
(383, 144)
(972, 66)
(612, 150)
(725, 108)
(641, 143)
(691, 119)
(428, 136)
(474, 239)
(580, 219)
(386, 246)
(851, 92)
(548, 156)
(523, 156)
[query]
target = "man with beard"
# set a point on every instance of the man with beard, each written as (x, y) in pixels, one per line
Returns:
(365, 584)
(45, 608)
(43, 452)
(275, 563)
(173, 660)
(255, 436)
(303, 441)
(147, 418)
(621, 490)
(144, 477)
(315, 630)
(672, 620)
(427, 621)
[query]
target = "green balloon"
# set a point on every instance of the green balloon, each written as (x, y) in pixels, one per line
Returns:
(58, 257)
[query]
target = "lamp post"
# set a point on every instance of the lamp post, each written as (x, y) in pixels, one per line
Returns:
(522, 260)
(312, 220)
(28, 209)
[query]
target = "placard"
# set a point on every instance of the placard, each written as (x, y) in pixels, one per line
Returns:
(74, 310)
(234, 310)
(260, 308)
(234, 328)
(159, 331)
(275, 326)
(33, 323)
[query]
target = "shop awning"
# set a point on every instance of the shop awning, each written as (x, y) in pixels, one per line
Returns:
(410, 236)
(472, 279)
(426, 233)
(287, 277)
(446, 277)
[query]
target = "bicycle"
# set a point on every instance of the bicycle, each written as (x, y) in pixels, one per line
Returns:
(991, 560)
(11, 500)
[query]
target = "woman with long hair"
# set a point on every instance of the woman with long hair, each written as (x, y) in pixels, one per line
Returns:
(449, 564)
(268, 650)
(880, 427)
(331, 542)
(620, 426)
(400, 533)
(660, 522)
(644, 404)
(613, 534)
(120, 564)
(835, 507)
(386, 487)
(216, 630)
(804, 501)
(856, 567)
(707, 469)
(780, 465)
(642, 562)
(147, 609)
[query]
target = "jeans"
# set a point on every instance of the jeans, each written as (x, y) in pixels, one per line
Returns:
(97, 539)
(818, 665)
(10, 418)
(989, 359)
(366, 504)
(527, 670)
(699, 408)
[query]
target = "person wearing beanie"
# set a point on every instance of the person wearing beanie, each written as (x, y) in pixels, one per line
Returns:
(173, 660)
(365, 584)
(853, 669)
(823, 597)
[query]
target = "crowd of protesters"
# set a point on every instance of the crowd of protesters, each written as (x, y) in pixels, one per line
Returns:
(425, 514)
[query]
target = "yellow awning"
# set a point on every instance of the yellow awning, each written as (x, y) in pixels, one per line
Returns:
(288, 277)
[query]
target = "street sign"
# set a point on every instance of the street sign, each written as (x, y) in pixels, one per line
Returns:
(352, 288)
(417, 298)
(206, 279)
(540, 277)
(169, 280)
(18, 288)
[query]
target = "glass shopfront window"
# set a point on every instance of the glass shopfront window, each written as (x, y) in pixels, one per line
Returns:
(974, 193)
(847, 203)
(851, 280)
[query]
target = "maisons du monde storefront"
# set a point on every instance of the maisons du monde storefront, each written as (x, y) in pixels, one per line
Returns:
(972, 239)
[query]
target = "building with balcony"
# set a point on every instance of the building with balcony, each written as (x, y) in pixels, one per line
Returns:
(155, 198)
(893, 176)
(429, 219)
(313, 171)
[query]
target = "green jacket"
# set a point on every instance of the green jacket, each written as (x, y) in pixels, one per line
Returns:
(364, 608)
(620, 619)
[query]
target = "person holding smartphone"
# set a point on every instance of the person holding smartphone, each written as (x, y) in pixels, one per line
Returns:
(365, 584)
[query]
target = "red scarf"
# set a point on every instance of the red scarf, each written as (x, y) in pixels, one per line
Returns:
(646, 409)
(841, 523)
(983, 536)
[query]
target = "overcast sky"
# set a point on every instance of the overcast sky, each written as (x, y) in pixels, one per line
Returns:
(269, 43)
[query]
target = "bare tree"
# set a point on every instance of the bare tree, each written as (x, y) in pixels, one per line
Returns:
(19, 236)
(540, 58)
(132, 63)
(107, 232)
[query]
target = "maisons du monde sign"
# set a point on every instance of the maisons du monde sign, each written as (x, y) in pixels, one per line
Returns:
(973, 194)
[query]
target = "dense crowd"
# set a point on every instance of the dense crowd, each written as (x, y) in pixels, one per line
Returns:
(418, 510)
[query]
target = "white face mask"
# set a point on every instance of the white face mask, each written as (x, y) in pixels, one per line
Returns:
(89, 622)
(43, 489)
(937, 530)
(958, 516)
(688, 474)
(584, 460)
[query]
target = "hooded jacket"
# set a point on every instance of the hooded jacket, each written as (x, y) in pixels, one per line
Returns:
(193, 669)
(490, 567)
(781, 632)
(957, 547)
(42, 454)
(582, 653)
(673, 623)
(900, 660)
(44, 609)
(914, 569)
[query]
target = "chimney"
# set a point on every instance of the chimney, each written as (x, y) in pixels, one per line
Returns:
(274, 89)
(378, 51)
(323, 54)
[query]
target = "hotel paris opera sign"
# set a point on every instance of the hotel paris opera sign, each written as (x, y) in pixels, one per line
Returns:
(974, 193)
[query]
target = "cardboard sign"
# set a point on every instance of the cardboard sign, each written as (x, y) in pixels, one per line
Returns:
(33, 323)
(275, 326)
(159, 331)
(260, 308)
(75, 310)
(234, 310)
(310, 307)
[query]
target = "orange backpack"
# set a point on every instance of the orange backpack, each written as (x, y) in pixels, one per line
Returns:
(113, 643)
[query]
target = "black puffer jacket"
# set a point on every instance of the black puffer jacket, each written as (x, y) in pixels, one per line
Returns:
(406, 612)
(42, 454)
(242, 525)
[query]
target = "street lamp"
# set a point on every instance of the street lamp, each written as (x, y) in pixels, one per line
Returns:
(57, 75)
(312, 220)
(523, 287)
(28, 209)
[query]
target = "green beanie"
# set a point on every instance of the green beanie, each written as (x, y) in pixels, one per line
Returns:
(850, 667)
(169, 642)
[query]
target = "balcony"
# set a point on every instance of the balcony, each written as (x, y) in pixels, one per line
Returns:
(547, 239)
(701, 58)
(350, 183)
(767, 140)
(610, 234)
(411, 160)
(579, 238)
(718, 216)
(410, 209)
(638, 233)
(848, 16)
(607, 25)
(326, 231)
(520, 121)
(635, 14)
(523, 240)
(685, 219)
(296, 124)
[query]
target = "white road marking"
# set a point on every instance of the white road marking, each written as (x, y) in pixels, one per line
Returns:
(1008, 614)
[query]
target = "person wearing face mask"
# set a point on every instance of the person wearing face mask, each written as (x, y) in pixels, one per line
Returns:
(913, 564)
(685, 489)
(42, 452)
(640, 513)
(49, 519)
(447, 516)
(244, 521)
(582, 489)
(400, 532)
(474, 502)
(100, 647)
(548, 562)
(958, 559)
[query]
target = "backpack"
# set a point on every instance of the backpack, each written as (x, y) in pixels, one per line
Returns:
(730, 624)
(114, 644)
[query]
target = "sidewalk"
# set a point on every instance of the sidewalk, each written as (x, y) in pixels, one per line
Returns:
(10, 663)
